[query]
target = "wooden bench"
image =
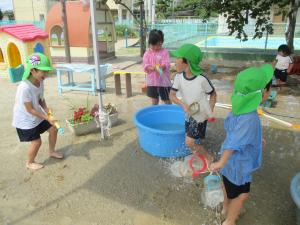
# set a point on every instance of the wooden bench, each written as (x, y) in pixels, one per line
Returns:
(117, 78)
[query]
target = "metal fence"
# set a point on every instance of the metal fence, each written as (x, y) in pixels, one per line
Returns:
(214, 35)
(39, 24)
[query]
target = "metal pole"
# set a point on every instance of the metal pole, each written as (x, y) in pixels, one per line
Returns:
(96, 60)
(206, 26)
(266, 42)
(126, 38)
(153, 13)
(142, 29)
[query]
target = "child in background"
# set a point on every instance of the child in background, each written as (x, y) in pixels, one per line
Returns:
(241, 152)
(156, 62)
(283, 64)
(194, 88)
(29, 116)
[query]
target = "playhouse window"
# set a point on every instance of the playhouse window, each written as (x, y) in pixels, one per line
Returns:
(1, 56)
(57, 36)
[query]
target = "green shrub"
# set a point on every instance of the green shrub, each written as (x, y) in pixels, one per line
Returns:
(120, 31)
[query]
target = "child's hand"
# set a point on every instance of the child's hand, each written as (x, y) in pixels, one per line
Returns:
(216, 166)
(151, 68)
(52, 121)
(185, 108)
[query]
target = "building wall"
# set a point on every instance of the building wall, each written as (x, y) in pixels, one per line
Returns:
(32, 10)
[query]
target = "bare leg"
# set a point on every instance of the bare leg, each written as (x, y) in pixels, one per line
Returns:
(155, 101)
(226, 201)
(52, 142)
(234, 209)
(191, 143)
(32, 152)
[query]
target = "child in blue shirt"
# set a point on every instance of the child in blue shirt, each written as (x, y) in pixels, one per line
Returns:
(241, 152)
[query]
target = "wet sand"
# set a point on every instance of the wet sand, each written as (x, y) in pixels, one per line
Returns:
(113, 182)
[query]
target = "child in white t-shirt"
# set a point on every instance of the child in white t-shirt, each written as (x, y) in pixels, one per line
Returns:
(193, 87)
(29, 116)
(283, 64)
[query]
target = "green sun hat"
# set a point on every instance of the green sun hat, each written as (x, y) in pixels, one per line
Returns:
(248, 87)
(37, 61)
(193, 55)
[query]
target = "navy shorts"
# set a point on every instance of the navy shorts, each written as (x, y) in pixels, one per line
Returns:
(26, 135)
(195, 130)
(281, 75)
(233, 191)
(156, 92)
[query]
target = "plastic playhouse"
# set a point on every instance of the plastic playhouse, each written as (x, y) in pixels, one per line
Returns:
(17, 43)
(79, 30)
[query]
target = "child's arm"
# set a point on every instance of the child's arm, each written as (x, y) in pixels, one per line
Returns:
(31, 110)
(148, 67)
(275, 61)
(291, 64)
(44, 105)
(213, 100)
(165, 64)
(221, 163)
(177, 101)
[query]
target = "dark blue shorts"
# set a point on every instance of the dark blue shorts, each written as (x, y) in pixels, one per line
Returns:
(26, 135)
(281, 75)
(156, 92)
(195, 130)
(232, 190)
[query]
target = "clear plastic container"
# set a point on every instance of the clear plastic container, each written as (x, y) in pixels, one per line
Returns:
(212, 195)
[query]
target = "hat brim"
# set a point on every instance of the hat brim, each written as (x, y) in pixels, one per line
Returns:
(269, 71)
(245, 104)
(195, 69)
(175, 54)
(28, 68)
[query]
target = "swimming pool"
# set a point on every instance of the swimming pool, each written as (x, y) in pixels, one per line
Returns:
(231, 42)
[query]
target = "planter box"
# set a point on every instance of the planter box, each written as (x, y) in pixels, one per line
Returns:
(90, 126)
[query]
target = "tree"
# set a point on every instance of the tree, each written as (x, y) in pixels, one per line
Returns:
(9, 14)
(1, 15)
(163, 8)
(238, 13)
(193, 7)
(141, 22)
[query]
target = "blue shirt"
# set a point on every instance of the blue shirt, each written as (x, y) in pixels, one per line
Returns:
(244, 137)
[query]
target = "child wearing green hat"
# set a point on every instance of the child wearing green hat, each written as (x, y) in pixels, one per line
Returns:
(241, 152)
(29, 117)
(194, 89)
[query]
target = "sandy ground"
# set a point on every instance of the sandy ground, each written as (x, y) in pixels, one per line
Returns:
(113, 182)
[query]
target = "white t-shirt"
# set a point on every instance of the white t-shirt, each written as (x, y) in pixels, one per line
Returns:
(27, 92)
(283, 62)
(195, 89)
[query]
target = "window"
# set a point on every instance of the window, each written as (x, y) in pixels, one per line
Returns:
(56, 36)
(42, 17)
(1, 56)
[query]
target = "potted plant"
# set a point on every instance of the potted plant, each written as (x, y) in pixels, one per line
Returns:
(86, 121)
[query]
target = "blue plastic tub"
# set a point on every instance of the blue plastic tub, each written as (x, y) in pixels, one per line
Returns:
(295, 192)
(161, 130)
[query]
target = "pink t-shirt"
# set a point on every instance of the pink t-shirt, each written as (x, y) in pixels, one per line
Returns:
(152, 58)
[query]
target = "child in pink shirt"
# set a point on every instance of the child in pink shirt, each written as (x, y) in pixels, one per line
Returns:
(156, 62)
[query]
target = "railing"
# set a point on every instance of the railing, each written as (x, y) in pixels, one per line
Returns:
(39, 24)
